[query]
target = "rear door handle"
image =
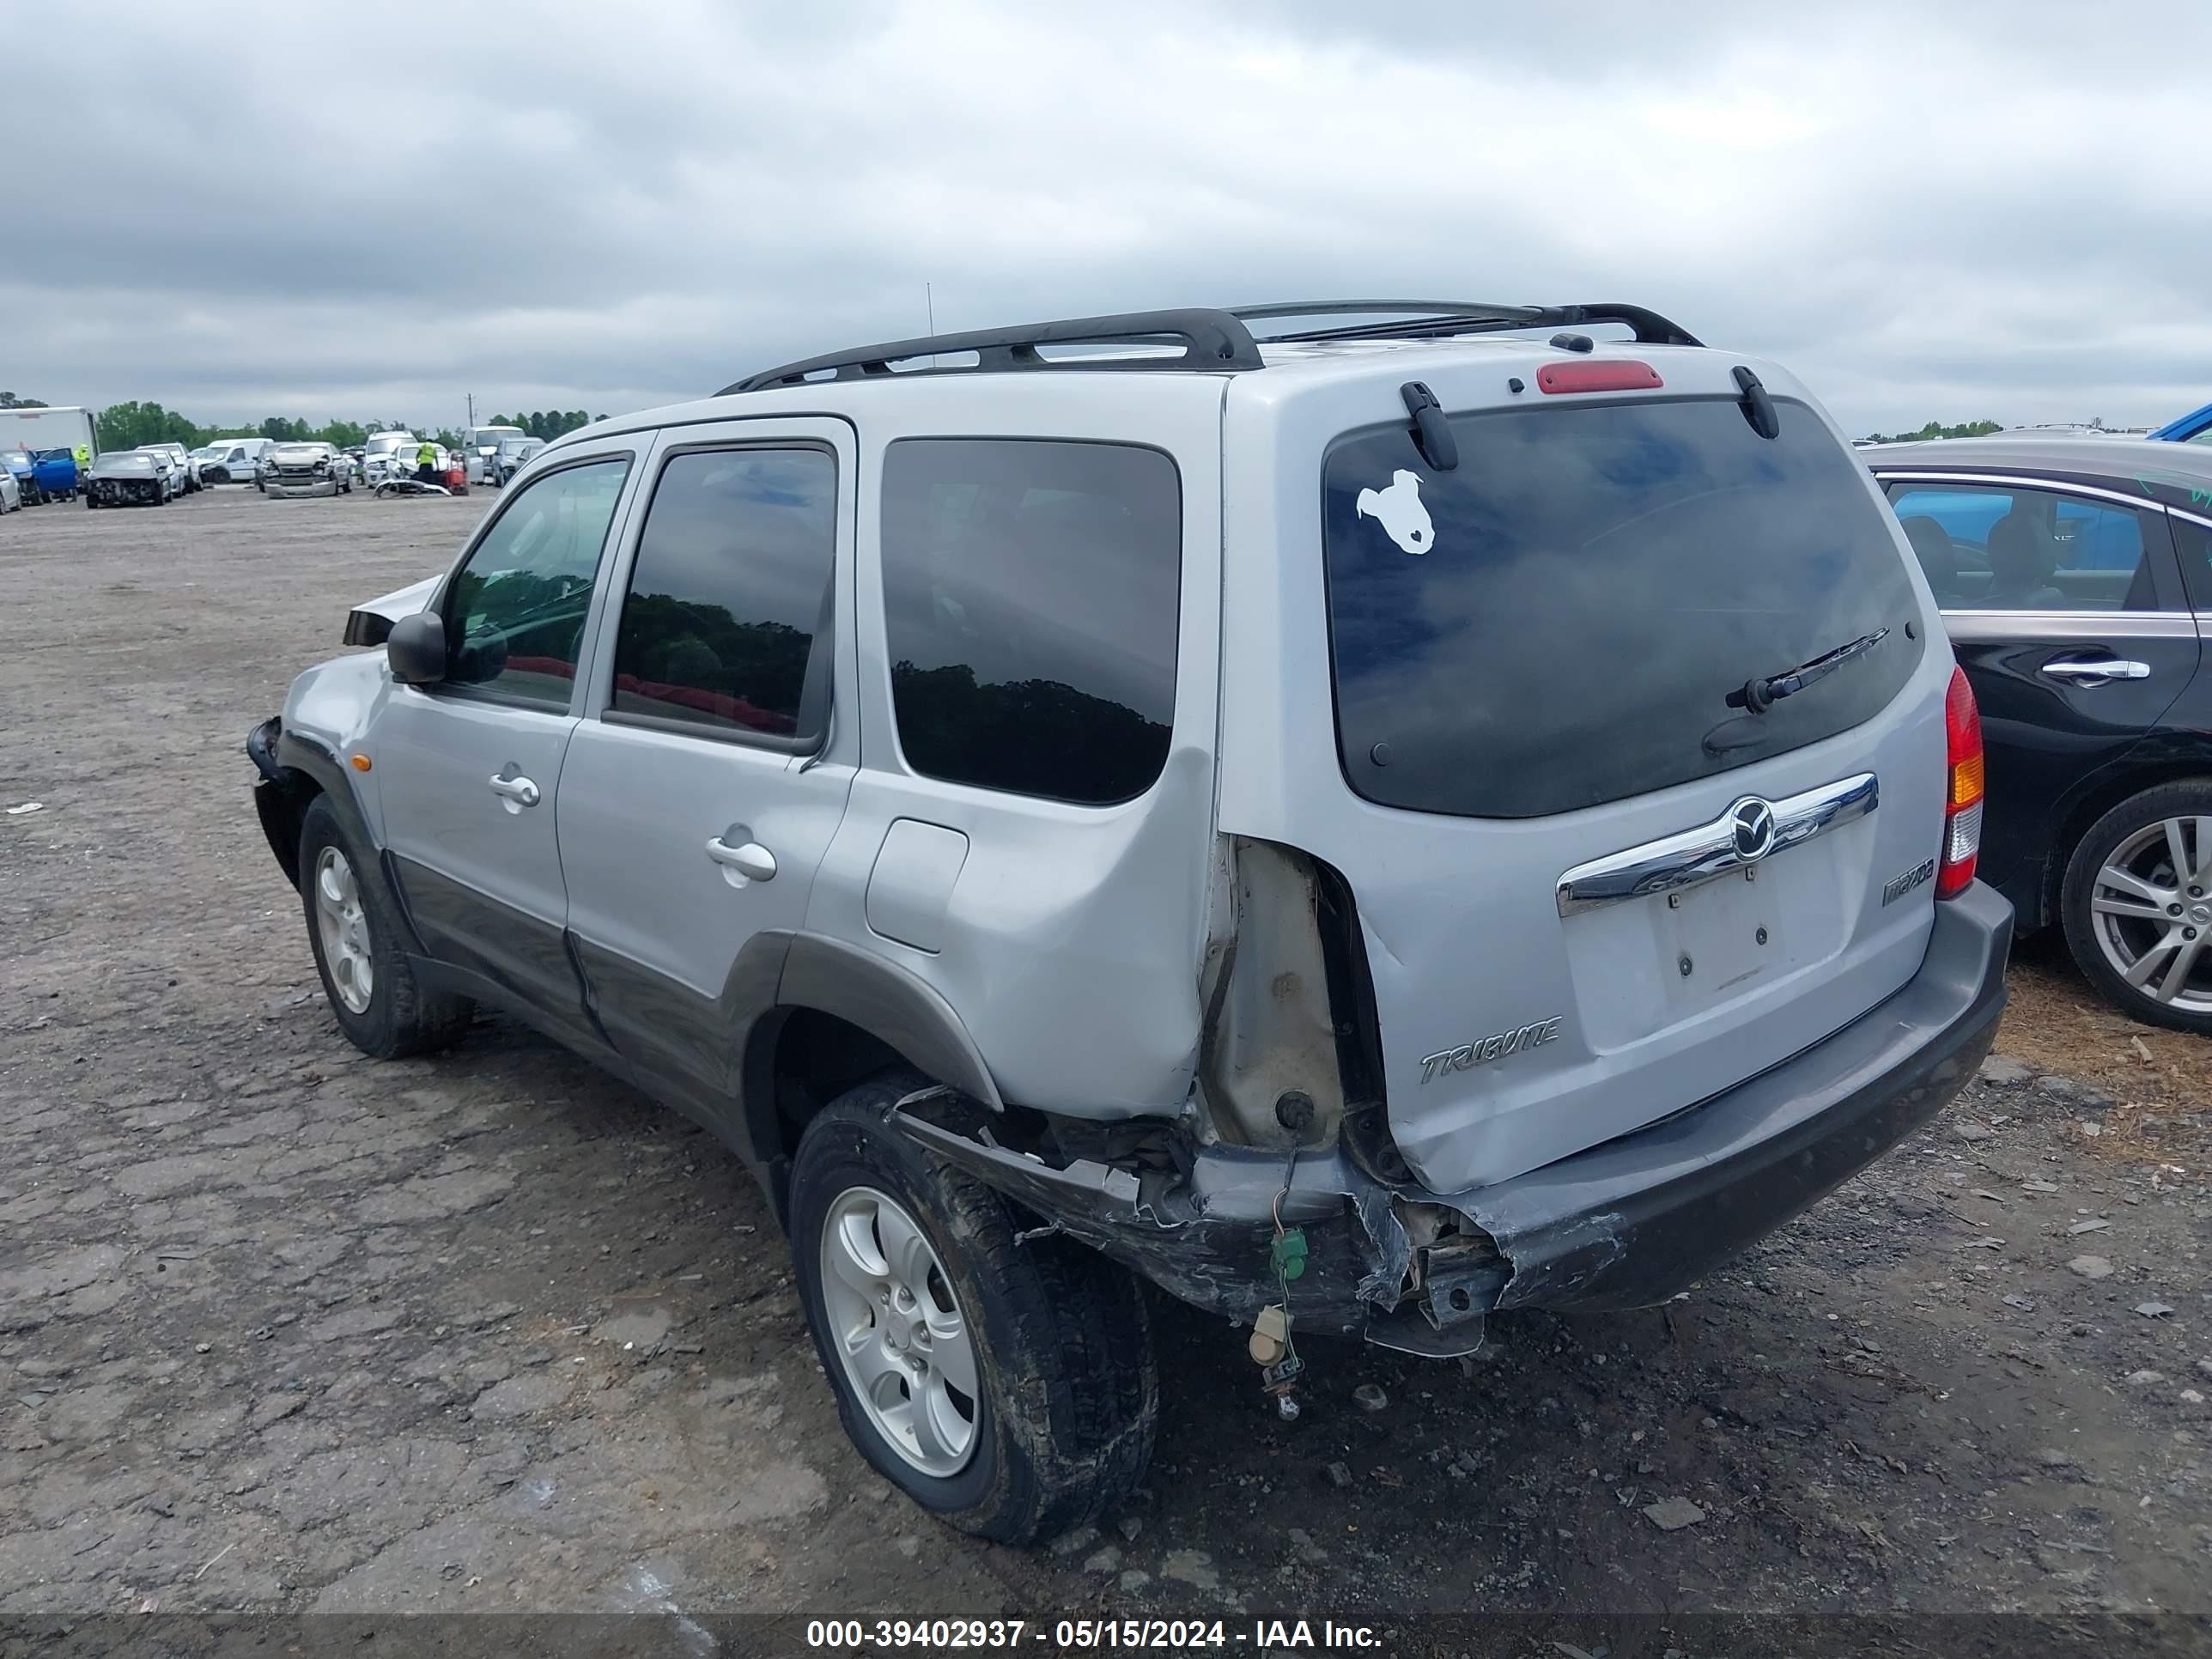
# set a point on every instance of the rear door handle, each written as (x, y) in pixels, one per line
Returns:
(751, 860)
(517, 791)
(2100, 669)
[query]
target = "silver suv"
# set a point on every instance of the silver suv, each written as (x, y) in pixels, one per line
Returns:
(1401, 819)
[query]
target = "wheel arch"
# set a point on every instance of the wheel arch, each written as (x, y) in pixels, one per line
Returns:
(841, 1014)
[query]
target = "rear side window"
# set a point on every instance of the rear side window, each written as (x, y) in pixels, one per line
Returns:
(1558, 622)
(1032, 592)
(1988, 547)
(726, 626)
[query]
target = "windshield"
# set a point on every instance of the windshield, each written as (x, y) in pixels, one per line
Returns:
(15, 457)
(129, 460)
(386, 442)
(1559, 621)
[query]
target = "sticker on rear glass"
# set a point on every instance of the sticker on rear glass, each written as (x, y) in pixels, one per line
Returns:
(1399, 509)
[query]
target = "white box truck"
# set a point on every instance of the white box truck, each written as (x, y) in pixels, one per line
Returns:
(47, 428)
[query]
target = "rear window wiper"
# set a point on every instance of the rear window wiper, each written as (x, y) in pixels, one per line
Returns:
(1760, 695)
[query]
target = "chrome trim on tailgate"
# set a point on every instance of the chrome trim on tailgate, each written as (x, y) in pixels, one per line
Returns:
(1700, 855)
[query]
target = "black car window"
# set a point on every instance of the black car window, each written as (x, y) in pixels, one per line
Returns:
(515, 613)
(1558, 621)
(1996, 547)
(2192, 542)
(1032, 595)
(726, 626)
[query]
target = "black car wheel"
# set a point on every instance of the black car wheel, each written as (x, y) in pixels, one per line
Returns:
(1009, 1388)
(2136, 903)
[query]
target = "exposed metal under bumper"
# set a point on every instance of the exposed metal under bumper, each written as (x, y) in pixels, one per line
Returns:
(1629, 1223)
(1206, 1238)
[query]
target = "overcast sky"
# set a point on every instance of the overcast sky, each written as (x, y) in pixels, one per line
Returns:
(1946, 211)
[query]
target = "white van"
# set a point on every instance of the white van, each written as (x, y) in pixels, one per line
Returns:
(235, 461)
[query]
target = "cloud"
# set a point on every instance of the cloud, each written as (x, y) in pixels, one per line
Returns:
(1924, 212)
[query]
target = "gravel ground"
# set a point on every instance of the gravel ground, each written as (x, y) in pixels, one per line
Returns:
(283, 1329)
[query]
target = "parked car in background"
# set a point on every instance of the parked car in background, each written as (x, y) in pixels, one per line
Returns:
(509, 456)
(165, 468)
(24, 471)
(2194, 428)
(57, 472)
(237, 460)
(1365, 831)
(11, 493)
(2071, 572)
(483, 444)
(378, 455)
(308, 469)
(127, 477)
(188, 481)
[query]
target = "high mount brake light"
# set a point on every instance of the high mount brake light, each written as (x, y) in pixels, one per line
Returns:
(1599, 375)
(1962, 797)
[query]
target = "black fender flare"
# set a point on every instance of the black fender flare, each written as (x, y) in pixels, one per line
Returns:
(898, 1008)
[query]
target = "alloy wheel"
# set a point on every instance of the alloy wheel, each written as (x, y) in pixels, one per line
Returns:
(343, 926)
(899, 1331)
(2151, 910)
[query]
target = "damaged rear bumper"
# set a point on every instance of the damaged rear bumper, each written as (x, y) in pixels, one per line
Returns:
(1621, 1225)
(1629, 1223)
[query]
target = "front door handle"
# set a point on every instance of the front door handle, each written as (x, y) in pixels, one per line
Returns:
(515, 792)
(2098, 670)
(751, 860)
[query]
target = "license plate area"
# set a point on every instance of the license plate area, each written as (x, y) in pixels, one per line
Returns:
(1719, 938)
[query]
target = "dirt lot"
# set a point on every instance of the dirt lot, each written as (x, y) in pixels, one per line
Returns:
(283, 1329)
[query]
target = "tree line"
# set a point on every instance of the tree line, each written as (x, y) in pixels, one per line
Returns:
(1936, 429)
(127, 425)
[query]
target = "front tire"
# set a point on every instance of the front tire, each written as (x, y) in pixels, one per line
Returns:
(1009, 1388)
(2137, 904)
(353, 926)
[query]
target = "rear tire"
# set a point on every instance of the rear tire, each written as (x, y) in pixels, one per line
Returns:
(354, 929)
(2135, 911)
(1061, 1424)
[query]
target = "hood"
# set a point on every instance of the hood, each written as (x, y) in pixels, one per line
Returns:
(370, 622)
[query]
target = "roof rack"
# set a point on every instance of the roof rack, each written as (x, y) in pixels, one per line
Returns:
(1212, 340)
(1405, 319)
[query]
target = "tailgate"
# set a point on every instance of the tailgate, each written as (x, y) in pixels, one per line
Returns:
(1594, 889)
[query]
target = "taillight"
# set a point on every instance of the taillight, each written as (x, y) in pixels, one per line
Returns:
(1962, 803)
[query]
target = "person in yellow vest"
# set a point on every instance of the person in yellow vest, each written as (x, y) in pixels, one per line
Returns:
(83, 454)
(425, 463)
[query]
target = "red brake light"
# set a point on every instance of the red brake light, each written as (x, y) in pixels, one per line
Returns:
(1963, 790)
(1599, 375)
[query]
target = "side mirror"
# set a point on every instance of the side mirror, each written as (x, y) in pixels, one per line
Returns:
(415, 648)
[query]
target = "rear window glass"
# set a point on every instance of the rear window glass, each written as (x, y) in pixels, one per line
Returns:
(1031, 595)
(1558, 622)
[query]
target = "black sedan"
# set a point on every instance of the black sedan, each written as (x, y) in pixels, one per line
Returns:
(123, 476)
(2074, 574)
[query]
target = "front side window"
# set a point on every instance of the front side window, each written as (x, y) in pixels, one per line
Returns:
(1032, 594)
(515, 614)
(1991, 547)
(726, 626)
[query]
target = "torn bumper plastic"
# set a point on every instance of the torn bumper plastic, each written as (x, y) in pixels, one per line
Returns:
(1621, 1225)
(1205, 1237)
(1629, 1223)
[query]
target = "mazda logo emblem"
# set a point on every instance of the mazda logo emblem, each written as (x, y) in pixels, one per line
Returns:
(1751, 821)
